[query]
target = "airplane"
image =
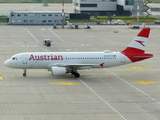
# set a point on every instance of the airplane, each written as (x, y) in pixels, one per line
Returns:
(60, 63)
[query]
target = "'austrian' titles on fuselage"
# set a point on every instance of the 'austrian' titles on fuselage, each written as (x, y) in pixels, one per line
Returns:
(45, 57)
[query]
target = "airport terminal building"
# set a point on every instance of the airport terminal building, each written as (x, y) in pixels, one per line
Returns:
(104, 7)
(35, 18)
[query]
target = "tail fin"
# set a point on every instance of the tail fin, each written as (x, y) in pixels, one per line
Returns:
(139, 42)
(136, 49)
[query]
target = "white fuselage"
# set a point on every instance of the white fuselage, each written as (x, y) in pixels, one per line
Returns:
(46, 60)
(60, 63)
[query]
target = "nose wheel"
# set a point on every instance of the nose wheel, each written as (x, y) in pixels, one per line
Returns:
(24, 74)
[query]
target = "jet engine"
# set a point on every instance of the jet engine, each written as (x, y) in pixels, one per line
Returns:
(58, 70)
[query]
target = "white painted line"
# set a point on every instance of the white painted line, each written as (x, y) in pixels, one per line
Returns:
(45, 49)
(109, 105)
(153, 99)
(82, 45)
(126, 98)
(43, 29)
(31, 34)
(76, 49)
(56, 35)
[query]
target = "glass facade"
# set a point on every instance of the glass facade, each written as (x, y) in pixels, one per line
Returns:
(88, 5)
(129, 2)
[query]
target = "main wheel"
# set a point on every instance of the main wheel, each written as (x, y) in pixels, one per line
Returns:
(77, 75)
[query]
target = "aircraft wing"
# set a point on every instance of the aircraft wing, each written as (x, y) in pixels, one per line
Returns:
(78, 66)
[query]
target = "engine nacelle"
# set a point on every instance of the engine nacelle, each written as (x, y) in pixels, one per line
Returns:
(58, 70)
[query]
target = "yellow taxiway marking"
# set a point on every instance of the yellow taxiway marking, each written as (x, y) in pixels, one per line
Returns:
(145, 82)
(135, 67)
(64, 83)
(1, 78)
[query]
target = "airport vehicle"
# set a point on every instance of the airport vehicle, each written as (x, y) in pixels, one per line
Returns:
(98, 22)
(115, 22)
(60, 63)
(135, 27)
(156, 22)
(47, 42)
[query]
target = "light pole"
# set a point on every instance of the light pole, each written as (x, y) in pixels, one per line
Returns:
(138, 11)
(62, 13)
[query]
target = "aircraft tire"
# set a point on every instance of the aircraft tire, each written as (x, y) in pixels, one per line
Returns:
(24, 74)
(77, 75)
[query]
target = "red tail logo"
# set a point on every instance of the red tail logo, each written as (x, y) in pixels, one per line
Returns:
(140, 42)
(136, 49)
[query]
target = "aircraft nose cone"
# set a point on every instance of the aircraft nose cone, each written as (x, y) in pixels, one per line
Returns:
(7, 63)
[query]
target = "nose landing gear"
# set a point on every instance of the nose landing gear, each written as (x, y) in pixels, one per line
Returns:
(24, 74)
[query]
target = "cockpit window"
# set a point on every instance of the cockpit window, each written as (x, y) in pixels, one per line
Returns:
(14, 58)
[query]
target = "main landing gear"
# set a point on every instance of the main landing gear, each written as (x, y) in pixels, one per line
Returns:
(24, 74)
(76, 74)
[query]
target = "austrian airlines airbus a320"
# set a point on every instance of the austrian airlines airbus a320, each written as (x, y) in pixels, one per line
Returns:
(60, 63)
